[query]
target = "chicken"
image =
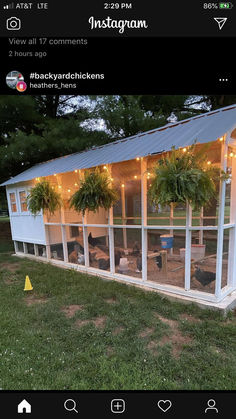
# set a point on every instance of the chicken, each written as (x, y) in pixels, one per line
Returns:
(204, 277)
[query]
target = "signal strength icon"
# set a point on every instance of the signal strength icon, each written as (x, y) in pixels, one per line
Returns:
(9, 6)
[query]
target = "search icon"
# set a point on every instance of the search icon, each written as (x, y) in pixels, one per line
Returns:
(70, 405)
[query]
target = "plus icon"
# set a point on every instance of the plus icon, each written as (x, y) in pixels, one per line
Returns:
(117, 406)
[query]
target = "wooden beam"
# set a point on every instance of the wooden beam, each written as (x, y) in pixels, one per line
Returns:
(144, 216)
(64, 243)
(197, 261)
(123, 216)
(188, 237)
(220, 235)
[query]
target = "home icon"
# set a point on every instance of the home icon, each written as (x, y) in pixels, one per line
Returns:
(24, 407)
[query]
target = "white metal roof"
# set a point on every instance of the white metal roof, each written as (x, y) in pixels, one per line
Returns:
(202, 129)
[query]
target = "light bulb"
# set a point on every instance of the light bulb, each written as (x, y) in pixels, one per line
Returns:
(137, 158)
(221, 138)
(231, 154)
(123, 185)
(184, 149)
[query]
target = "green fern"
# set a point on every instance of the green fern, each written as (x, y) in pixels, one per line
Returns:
(184, 177)
(95, 192)
(43, 197)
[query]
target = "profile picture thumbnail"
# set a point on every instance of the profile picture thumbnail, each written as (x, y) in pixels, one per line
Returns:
(13, 78)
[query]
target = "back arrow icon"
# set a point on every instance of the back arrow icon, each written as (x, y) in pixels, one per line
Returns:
(221, 21)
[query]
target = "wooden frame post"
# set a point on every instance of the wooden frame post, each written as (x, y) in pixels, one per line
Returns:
(220, 235)
(201, 224)
(144, 216)
(111, 233)
(123, 215)
(231, 280)
(64, 243)
(188, 240)
(25, 248)
(48, 248)
(36, 250)
(85, 237)
(171, 223)
(15, 246)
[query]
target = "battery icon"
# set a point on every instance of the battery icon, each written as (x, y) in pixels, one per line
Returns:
(225, 6)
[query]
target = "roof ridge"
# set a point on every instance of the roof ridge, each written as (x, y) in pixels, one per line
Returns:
(138, 146)
(120, 140)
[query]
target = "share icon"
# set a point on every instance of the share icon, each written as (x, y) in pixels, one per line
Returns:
(221, 21)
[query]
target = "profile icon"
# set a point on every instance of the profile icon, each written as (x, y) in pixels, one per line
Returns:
(13, 78)
(211, 406)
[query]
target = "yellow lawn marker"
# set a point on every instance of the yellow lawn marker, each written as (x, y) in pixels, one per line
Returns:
(28, 286)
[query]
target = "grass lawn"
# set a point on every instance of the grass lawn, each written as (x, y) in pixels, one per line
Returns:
(75, 331)
(4, 219)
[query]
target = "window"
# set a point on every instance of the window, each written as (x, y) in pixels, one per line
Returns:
(23, 203)
(12, 196)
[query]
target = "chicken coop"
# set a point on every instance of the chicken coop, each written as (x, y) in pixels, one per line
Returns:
(171, 248)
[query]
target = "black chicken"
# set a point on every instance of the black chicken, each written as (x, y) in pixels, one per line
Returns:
(92, 240)
(204, 277)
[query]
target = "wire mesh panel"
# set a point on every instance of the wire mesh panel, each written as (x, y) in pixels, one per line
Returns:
(128, 251)
(75, 244)
(98, 244)
(203, 261)
(42, 250)
(55, 242)
(127, 181)
(165, 263)
(30, 248)
(20, 247)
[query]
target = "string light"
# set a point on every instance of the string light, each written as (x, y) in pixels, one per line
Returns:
(68, 190)
(105, 167)
(231, 154)
(184, 150)
(59, 186)
(209, 162)
(54, 174)
(76, 171)
(221, 138)
(137, 158)
(76, 184)
(135, 177)
(123, 185)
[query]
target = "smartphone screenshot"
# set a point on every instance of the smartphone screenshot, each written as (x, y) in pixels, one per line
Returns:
(117, 209)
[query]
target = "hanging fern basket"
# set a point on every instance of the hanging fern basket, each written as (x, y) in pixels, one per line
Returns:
(95, 192)
(43, 197)
(184, 177)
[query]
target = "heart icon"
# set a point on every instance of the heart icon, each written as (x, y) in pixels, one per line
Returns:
(164, 405)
